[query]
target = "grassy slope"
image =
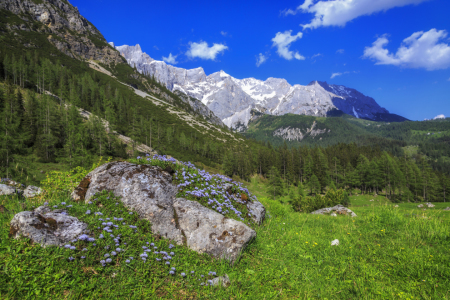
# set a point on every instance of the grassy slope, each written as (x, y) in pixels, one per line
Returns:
(384, 253)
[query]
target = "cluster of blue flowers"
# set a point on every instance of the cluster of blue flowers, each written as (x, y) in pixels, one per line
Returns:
(217, 191)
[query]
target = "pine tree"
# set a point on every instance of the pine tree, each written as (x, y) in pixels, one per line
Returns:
(11, 137)
(275, 183)
(308, 168)
(73, 144)
(314, 184)
(47, 130)
(322, 169)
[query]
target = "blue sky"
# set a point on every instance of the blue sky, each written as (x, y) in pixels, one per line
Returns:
(396, 51)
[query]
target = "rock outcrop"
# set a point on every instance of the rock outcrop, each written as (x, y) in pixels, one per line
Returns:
(47, 227)
(32, 191)
(337, 209)
(64, 27)
(6, 190)
(149, 192)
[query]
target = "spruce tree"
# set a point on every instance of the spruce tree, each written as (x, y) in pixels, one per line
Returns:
(275, 183)
(11, 137)
(314, 184)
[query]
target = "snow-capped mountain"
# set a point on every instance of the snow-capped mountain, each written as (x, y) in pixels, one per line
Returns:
(232, 100)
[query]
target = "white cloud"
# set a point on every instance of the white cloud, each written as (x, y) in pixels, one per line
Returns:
(172, 59)
(283, 40)
(156, 47)
(439, 117)
(337, 74)
(340, 74)
(224, 33)
(339, 12)
(316, 55)
(201, 50)
(260, 59)
(420, 50)
(340, 51)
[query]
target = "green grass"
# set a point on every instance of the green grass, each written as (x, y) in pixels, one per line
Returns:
(384, 253)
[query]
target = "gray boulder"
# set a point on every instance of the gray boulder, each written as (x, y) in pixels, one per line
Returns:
(6, 190)
(338, 209)
(224, 280)
(206, 231)
(447, 208)
(149, 192)
(257, 210)
(32, 191)
(47, 227)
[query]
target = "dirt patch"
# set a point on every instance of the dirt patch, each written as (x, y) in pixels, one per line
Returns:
(3, 209)
(82, 188)
(12, 231)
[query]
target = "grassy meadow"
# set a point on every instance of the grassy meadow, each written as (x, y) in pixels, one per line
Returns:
(384, 253)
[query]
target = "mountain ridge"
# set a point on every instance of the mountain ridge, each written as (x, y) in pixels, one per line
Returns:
(233, 99)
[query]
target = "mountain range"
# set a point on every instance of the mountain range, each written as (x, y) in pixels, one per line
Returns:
(238, 101)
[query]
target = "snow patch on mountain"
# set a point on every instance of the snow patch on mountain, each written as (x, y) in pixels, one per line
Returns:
(355, 113)
(232, 99)
(439, 117)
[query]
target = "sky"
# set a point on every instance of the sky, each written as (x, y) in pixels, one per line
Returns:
(395, 51)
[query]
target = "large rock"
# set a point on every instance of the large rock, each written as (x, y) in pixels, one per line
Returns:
(337, 209)
(47, 227)
(6, 190)
(257, 210)
(149, 192)
(32, 191)
(207, 231)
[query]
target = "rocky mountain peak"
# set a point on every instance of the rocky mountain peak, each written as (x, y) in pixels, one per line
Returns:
(64, 27)
(233, 100)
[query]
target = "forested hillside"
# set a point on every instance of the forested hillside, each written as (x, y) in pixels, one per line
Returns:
(428, 138)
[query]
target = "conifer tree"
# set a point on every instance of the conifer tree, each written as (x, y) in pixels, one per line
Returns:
(275, 183)
(314, 184)
(11, 137)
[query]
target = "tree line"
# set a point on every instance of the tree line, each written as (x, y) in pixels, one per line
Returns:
(347, 166)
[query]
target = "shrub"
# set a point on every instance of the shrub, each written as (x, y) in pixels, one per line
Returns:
(331, 198)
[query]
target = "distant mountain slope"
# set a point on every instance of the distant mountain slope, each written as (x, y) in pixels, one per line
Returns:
(98, 79)
(298, 130)
(233, 99)
(430, 138)
(32, 24)
(354, 103)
